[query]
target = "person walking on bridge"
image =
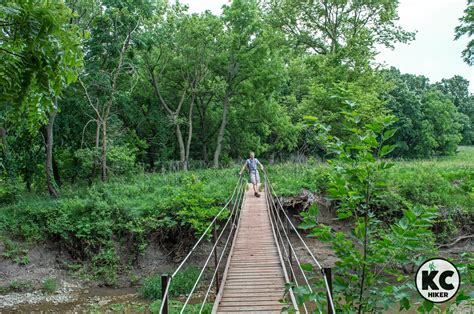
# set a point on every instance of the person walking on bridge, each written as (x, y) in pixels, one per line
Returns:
(252, 165)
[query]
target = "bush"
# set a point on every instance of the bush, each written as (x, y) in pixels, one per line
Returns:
(121, 160)
(181, 284)
(9, 192)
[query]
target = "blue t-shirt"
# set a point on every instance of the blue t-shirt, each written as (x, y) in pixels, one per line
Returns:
(252, 164)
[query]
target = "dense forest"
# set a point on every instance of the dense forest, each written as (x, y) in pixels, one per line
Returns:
(122, 121)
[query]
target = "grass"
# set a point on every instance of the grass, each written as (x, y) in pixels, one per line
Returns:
(181, 284)
(50, 285)
(176, 306)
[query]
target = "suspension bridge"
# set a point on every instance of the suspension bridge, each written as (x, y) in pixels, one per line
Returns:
(255, 261)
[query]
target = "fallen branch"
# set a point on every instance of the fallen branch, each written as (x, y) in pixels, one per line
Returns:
(457, 240)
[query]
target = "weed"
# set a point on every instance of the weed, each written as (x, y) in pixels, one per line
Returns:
(181, 284)
(50, 285)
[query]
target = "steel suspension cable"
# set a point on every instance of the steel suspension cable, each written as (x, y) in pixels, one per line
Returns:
(166, 292)
(285, 273)
(205, 266)
(287, 252)
(304, 243)
(232, 232)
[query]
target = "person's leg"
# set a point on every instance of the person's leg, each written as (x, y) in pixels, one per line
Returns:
(257, 182)
(253, 180)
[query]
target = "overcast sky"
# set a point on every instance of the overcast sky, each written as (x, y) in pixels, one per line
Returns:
(433, 53)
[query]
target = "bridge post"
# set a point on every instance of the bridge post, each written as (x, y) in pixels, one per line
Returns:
(216, 263)
(328, 274)
(165, 278)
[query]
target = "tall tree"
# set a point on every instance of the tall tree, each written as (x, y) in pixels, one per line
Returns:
(348, 28)
(466, 28)
(457, 88)
(176, 59)
(428, 121)
(247, 60)
(112, 32)
(40, 54)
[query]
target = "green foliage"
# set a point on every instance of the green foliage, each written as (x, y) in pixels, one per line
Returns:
(50, 285)
(121, 160)
(194, 207)
(9, 191)
(40, 54)
(15, 251)
(20, 286)
(91, 223)
(428, 122)
(105, 265)
(338, 27)
(372, 255)
(457, 89)
(466, 28)
(181, 284)
(175, 307)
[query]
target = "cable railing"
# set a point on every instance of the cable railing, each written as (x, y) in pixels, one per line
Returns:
(233, 205)
(283, 228)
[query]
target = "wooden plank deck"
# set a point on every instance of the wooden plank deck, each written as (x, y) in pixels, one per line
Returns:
(254, 279)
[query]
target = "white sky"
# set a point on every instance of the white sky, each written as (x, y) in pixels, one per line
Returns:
(433, 53)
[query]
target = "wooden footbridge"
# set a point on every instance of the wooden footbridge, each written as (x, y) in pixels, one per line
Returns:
(254, 250)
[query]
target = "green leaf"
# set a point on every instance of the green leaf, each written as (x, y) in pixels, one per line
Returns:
(387, 149)
(343, 214)
(405, 304)
(388, 134)
(306, 267)
(427, 305)
(462, 297)
(305, 225)
(310, 118)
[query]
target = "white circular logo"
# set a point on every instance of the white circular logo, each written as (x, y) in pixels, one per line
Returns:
(437, 280)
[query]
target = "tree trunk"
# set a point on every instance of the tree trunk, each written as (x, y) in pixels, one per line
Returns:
(205, 156)
(96, 151)
(103, 159)
(6, 154)
(220, 136)
(190, 132)
(182, 151)
(151, 155)
(57, 176)
(49, 155)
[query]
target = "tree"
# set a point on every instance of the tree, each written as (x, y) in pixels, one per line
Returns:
(176, 59)
(350, 29)
(248, 62)
(466, 28)
(457, 89)
(40, 52)
(428, 121)
(112, 32)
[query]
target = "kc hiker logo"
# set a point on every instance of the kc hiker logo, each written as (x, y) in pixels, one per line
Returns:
(437, 280)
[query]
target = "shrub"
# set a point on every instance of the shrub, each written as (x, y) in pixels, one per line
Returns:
(181, 284)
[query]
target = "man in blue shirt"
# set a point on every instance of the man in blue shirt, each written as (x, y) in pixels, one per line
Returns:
(252, 165)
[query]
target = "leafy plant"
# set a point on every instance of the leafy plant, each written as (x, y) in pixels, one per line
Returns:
(176, 306)
(181, 284)
(50, 285)
(195, 208)
(370, 275)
